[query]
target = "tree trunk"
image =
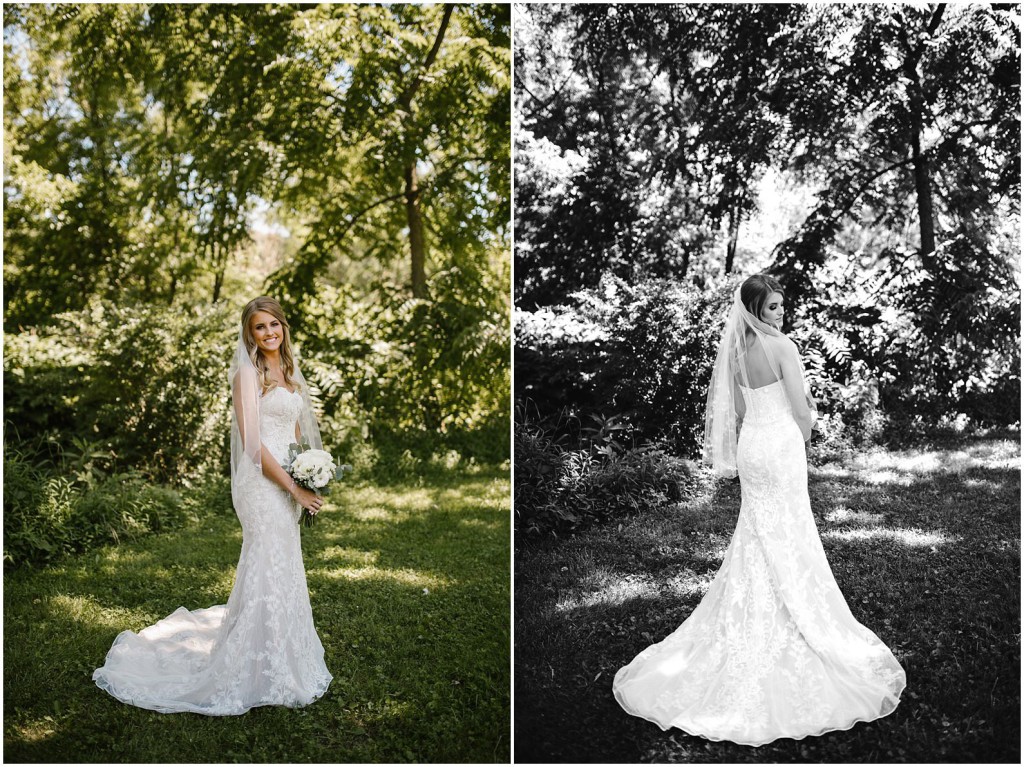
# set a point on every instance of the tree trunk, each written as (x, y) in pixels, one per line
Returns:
(218, 283)
(417, 248)
(922, 171)
(735, 217)
(922, 184)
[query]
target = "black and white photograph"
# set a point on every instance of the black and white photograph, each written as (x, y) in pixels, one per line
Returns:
(766, 383)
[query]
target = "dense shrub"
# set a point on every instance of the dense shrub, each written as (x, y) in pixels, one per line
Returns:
(642, 351)
(397, 375)
(892, 337)
(48, 514)
(559, 490)
(147, 386)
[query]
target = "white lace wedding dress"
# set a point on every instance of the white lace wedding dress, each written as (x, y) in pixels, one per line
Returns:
(772, 651)
(261, 648)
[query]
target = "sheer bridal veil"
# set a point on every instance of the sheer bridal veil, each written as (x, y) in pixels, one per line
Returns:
(743, 337)
(246, 400)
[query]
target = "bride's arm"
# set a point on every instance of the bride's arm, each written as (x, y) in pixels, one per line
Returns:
(793, 382)
(739, 405)
(274, 471)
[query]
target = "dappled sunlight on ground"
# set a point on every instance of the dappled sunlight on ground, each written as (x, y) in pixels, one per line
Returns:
(924, 543)
(489, 495)
(887, 477)
(409, 590)
(479, 523)
(844, 515)
(38, 731)
(404, 577)
(619, 589)
(903, 466)
(88, 610)
(981, 484)
(377, 513)
(907, 537)
(345, 554)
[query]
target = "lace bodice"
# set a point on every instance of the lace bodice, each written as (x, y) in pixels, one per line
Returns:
(279, 412)
(766, 404)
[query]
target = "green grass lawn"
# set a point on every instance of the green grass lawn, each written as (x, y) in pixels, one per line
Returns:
(924, 543)
(409, 585)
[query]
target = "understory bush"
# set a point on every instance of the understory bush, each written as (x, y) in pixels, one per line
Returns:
(642, 351)
(410, 375)
(48, 514)
(892, 337)
(560, 490)
(144, 388)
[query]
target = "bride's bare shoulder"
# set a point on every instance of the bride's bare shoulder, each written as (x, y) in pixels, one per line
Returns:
(782, 343)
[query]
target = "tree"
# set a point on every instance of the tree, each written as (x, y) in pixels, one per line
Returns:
(646, 131)
(418, 144)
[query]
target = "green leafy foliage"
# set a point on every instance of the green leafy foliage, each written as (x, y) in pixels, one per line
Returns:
(49, 515)
(146, 387)
(411, 375)
(170, 161)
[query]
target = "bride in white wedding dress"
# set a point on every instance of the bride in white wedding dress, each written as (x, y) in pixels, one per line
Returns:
(772, 651)
(261, 647)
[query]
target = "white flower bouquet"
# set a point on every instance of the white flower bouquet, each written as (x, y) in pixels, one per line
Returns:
(314, 470)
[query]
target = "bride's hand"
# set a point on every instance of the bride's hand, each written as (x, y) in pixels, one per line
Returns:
(307, 499)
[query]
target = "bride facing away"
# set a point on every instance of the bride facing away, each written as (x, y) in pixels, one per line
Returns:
(261, 648)
(772, 650)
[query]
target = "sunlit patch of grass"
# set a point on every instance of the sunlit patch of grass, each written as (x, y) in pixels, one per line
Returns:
(86, 609)
(620, 590)
(981, 484)
(925, 545)
(404, 577)
(347, 554)
(373, 514)
(902, 536)
(411, 603)
(841, 514)
(37, 731)
(887, 477)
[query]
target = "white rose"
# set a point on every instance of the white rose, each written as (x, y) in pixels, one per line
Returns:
(314, 466)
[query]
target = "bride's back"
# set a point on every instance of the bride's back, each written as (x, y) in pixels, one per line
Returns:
(759, 368)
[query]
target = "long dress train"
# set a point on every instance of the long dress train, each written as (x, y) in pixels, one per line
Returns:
(259, 649)
(772, 651)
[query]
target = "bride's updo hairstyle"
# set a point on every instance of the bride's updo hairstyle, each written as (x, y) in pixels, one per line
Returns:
(755, 291)
(273, 308)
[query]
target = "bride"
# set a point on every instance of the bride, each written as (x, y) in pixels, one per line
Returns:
(261, 648)
(772, 651)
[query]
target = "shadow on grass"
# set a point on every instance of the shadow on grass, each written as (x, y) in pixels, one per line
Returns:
(927, 557)
(410, 602)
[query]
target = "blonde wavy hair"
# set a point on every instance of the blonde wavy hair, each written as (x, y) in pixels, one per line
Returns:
(273, 308)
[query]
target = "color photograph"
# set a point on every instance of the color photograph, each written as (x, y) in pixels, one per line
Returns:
(257, 385)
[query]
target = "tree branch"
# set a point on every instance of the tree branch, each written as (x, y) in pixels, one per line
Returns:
(868, 182)
(406, 97)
